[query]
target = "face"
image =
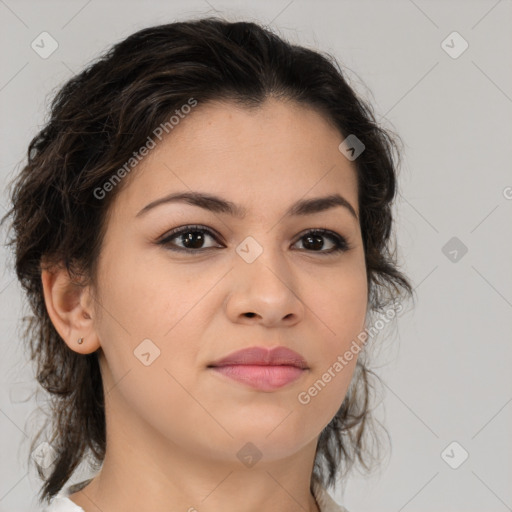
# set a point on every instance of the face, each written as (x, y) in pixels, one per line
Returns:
(173, 304)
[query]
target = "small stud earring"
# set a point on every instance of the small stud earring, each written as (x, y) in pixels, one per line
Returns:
(80, 341)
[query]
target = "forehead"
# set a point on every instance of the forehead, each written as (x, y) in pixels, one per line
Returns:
(271, 155)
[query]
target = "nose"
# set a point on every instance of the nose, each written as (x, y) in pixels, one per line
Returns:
(264, 292)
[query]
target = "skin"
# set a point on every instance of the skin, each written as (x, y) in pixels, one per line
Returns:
(174, 427)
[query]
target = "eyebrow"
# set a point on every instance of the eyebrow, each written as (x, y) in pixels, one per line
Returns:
(218, 205)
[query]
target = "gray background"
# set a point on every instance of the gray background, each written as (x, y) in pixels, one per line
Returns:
(446, 363)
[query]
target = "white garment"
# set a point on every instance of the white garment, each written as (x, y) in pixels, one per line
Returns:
(61, 502)
(324, 500)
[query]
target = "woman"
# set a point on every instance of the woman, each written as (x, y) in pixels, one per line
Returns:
(203, 230)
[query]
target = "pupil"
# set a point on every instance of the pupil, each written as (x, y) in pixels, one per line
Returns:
(193, 240)
(310, 239)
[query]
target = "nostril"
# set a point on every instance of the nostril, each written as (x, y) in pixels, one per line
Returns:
(250, 315)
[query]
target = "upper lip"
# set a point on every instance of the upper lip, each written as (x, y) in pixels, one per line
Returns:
(277, 356)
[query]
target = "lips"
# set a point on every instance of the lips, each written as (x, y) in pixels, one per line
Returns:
(262, 369)
(278, 356)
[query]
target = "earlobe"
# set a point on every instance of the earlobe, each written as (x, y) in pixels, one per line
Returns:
(69, 310)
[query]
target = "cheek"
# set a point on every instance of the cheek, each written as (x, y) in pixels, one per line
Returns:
(143, 309)
(140, 298)
(339, 307)
(338, 300)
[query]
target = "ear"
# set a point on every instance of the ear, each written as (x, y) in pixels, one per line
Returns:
(70, 307)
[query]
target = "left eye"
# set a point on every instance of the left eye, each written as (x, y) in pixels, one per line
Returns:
(193, 238)
(314, 239)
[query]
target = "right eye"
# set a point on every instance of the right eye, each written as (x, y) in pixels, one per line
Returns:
(192, 237)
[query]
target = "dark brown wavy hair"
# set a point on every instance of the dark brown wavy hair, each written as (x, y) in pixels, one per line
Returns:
(106, 112)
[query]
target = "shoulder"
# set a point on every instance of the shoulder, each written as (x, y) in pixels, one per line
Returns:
(325, 502)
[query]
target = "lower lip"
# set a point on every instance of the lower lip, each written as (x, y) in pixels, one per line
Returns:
(264, 378)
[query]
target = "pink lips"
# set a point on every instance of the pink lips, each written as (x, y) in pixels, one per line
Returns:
(262, 368)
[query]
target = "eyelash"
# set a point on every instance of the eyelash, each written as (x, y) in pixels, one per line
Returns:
(341, 244)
